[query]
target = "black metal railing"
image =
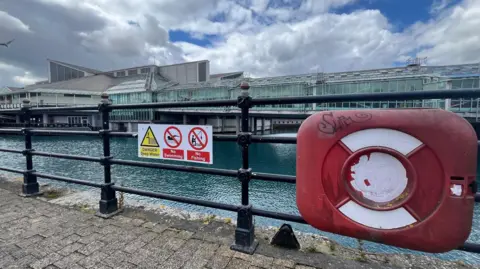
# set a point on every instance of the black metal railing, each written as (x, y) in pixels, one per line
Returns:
(244, 234)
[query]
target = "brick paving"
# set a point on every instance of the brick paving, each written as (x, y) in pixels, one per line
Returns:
(38, 234)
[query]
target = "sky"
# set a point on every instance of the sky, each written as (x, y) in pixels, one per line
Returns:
(259, 37)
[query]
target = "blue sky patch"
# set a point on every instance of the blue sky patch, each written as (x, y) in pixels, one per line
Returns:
(400, 13)
(178, 35)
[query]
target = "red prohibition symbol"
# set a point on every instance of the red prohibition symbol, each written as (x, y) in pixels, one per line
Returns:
(172, 137)
(197, 138)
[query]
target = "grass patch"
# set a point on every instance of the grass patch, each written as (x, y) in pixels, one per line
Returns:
(311, 249)
(362, 257)
(332, 246)
(52, 194)
(85, 209)
(208, 219)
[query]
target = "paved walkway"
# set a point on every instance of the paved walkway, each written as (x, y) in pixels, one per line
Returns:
(38, 234)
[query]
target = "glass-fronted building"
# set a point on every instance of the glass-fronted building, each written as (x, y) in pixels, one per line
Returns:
(398, 79)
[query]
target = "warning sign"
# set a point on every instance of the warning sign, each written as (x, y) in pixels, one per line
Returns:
(173, 139)
(180, 142)
(149, 146)
(198, 138)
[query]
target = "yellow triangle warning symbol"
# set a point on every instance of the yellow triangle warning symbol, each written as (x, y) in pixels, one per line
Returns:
(149, 139)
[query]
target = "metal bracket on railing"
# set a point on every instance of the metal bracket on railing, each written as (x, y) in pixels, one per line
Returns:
(27, 172)
(105, 161)
(244, 175)
(25, 106)
(25, 152)
(26, 131)
(244, 102)
(105, 103)
(244, 139)
(103, 132)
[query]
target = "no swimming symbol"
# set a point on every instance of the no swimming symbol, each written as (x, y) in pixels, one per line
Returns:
(172, 137)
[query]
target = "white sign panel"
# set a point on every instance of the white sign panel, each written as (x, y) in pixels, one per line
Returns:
(190, 143)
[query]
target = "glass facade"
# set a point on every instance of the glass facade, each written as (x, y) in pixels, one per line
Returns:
(376, 81)
(132, 114)
(61, 73)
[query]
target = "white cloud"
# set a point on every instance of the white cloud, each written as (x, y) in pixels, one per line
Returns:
(259, 5)
(439, 5)
(262, 37)
(453, 37)
(12, 23)
(4, 67)
(333, 42)
(19, 75)
(27, 78)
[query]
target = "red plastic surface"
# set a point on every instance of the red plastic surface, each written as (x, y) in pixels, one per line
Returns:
(449, 152)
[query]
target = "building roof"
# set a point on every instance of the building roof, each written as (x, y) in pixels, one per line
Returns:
(81, 68)
(13, 89)
(9, 90)
(95, 83)
(226, 75)
(101, 82)
(137, 83)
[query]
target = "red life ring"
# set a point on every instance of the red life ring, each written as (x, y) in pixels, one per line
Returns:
(399, 177)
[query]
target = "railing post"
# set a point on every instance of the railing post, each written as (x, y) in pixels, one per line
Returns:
(108, 205)
(245, 231)
(30, 185)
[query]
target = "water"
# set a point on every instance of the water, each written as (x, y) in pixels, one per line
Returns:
(268, 158)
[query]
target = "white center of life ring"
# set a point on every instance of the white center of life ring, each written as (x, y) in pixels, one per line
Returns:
(379, 177)
(378, 180)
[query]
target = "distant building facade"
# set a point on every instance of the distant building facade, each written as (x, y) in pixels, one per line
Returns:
(72, 85)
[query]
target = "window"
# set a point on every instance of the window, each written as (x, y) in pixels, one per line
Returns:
(120, 73)
(76, 95)
(68, 73)
(132, 72)
(202, 71)
(145, 70)
(53, 72)
(74, 73)
(23, 95)
(61, 73)
(456, 84)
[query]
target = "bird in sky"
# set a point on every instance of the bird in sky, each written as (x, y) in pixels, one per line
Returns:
(6, 44)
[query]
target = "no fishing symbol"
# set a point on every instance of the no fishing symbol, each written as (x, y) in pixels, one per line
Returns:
(197, 138)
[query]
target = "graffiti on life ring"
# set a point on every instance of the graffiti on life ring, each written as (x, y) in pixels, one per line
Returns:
(331, 124)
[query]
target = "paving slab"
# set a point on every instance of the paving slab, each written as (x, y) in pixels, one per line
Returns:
(40, 234)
